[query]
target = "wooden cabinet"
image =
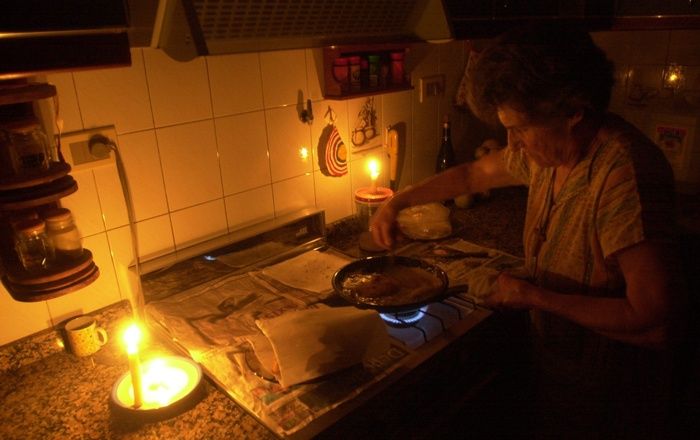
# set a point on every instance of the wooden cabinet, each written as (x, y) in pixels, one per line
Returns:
(353, 71)
(29, 194)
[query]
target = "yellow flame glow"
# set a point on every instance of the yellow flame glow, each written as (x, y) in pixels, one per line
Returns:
(304, 153)
(373, 167)
(163, 383)
(132, 337)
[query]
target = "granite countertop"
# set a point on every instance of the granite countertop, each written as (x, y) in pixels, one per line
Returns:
(48, 393)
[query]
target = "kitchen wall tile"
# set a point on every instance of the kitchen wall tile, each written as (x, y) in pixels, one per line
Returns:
(333, 194)
(179, 91)
(112, 202)
(322, 119)
(142, 162)
(314, 73)
(124, 264)
(236, 83)
(684, 47)
(101, 293)
(634, 47)
(397, 114)
(199, 223)
(243, 155)
(365, 123)
(155, 238)
(287, 138)
(283, 77)
(293, 194)
(19, 319)
(249, 207)
(115, 96)
(85, 204)
(190, 164)
(68, 108)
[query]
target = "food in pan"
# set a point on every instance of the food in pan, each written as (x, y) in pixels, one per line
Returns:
(394, 285)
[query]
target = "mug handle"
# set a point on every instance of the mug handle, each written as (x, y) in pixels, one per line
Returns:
(101, 335)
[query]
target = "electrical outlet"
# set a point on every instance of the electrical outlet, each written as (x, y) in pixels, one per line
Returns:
(76, 150)
(430, 86)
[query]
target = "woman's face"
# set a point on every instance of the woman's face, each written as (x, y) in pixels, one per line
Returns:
(546, 143)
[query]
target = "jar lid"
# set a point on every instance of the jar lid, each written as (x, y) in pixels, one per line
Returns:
(22, 125)
(31, 226)
(57, 215)
(366, 195)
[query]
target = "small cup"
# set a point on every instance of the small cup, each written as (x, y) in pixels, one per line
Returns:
(83, 335)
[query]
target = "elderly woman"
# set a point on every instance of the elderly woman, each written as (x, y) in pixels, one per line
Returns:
(598, 234)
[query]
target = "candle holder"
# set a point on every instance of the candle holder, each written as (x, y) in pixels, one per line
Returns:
(368, 200)
(170, 385)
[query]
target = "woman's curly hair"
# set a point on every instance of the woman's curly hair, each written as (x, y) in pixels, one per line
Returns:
(543, 71)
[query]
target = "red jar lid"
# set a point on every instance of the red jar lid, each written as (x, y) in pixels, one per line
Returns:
(366, 195)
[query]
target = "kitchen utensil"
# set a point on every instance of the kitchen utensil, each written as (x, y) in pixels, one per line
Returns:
(83, 335)
(392, 146)
(412, 283)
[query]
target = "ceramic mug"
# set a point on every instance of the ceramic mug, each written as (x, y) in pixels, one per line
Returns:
(83, 335)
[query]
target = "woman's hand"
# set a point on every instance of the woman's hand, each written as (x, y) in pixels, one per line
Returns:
(383, 226)
(510, 292)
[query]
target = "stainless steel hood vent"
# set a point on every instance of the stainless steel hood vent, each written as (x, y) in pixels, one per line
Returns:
(188, 28)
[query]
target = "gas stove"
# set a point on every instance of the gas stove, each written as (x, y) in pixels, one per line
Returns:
(213, 320)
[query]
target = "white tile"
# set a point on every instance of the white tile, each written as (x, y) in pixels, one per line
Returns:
(68, 108)
(20, 319)
(294, 194)
(236, 83)
(249, 207)
(243, 155)
(334, 195)
(112, 201)
(684, 47)
(179, 91)
(115, 96)
(199, 223)
(322, 118)
(155, 238)
(85, 204)
(283, 77)
(190, 164)
(101, 293)
(287, 138)
(314, 72)
(142, 162)
(365, 123)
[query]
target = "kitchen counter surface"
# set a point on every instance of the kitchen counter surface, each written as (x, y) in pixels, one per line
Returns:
(46, 393)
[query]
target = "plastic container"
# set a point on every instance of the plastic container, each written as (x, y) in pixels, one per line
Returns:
(33, 245)
(27, 146)
(368, 201)
(63, 234)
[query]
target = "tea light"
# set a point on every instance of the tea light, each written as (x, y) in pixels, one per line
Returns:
(373, 167)
(132, 337)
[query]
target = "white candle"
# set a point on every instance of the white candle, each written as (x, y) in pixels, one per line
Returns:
(132, 337)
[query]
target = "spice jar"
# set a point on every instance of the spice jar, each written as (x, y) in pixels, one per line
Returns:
(29, 145)
(397, 67)
(32, 245)
(63, 234)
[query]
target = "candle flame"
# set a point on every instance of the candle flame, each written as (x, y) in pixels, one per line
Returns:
(304, 153)
(373, 167)
(132, 337)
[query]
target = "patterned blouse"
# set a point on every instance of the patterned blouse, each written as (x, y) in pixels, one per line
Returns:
(621, 193)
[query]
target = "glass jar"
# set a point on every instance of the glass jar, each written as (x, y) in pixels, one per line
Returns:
(28, 144)
(63, 234)
(367, 201)
(32, 245)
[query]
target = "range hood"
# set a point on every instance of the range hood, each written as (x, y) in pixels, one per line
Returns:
(185, 29)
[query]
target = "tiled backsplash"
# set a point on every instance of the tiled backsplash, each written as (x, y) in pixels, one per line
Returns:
(215, 144)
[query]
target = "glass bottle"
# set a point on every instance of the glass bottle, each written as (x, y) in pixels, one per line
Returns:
(63, 234)
(446, 155)
(32, 245)
(30, 145)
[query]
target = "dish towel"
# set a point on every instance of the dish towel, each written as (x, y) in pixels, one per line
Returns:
(311, 343)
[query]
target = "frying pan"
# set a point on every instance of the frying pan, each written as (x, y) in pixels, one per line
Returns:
(395, 304)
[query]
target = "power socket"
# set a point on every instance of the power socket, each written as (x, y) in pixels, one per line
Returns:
(430, 86)
(76, 150)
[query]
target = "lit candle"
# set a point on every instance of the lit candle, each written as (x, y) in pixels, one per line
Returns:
(373, 167)
(132, 337)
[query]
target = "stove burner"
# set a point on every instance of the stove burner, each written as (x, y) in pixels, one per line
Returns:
(404, 319)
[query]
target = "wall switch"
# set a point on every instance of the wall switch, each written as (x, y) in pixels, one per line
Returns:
(76, 149)
(430, 86)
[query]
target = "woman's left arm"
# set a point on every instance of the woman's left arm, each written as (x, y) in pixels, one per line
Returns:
(643, 317)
